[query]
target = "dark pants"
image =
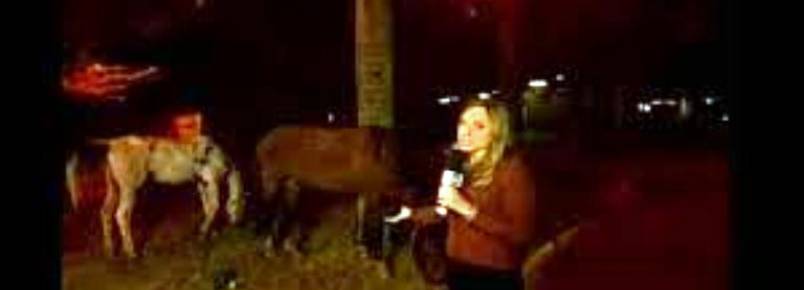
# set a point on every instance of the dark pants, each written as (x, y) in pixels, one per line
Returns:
(461, 276)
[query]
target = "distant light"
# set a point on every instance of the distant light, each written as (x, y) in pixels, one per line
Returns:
(495, 92)
(330, 117)
(472, 12)
(560, 77)
(537, 83)
(725, 118)
(455, 99)
(709, 101)
(671, 102)
(685, 110)
(97, 67)
(444, 101)
(656, 102)
(484, 95)
(643, 108)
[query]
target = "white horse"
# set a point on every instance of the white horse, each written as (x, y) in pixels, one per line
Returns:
(131, 160)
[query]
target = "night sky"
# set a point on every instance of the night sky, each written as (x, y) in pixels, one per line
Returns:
(280, 56)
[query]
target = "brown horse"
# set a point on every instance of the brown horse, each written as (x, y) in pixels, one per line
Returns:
(355, 161)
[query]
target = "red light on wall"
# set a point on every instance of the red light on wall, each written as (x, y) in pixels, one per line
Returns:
(100, 82)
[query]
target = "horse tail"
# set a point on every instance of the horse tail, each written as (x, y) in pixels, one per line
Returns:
(267, 181)
(85, 178)
(78, 180)
(71, 174)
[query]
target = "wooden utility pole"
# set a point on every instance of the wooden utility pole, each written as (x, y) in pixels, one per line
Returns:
(374, 77)
(374, 63)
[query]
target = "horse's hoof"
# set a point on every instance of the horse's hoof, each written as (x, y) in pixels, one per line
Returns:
(363, 252)
(295, 253)
(130, 253)
(291, 249)
(131, 264)
(108, 251)
(132, 256)
(108, 254)
(268, 248)
(382, 270)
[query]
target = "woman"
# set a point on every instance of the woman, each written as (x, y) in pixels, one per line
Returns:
(492, 215)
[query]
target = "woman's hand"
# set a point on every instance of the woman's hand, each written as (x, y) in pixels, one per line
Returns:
(449, 198)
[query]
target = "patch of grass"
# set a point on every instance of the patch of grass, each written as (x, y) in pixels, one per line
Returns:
(332, 262)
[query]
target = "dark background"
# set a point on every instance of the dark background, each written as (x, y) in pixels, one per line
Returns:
(290, 58)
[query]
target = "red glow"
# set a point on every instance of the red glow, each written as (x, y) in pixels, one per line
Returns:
(98, 82)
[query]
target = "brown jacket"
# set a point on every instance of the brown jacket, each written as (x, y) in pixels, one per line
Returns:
(498, 235)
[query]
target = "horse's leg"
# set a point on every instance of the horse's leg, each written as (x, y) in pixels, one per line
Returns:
(361, 211)
(107, 213)
(291, 198)
(202, 193)
(127, 165)
(129, 177)
(123, 215)
(270, 186)
(370, 225)
(371, 233)
(208, 189)
(236, 203)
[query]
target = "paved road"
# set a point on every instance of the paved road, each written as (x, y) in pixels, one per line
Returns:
(654, 219)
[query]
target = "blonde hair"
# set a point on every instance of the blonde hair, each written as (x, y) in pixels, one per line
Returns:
(481, 172)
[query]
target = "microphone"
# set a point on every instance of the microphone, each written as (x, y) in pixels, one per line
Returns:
(453, 174)
(404, 213)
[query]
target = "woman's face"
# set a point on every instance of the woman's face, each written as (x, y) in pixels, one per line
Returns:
(474, 130)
